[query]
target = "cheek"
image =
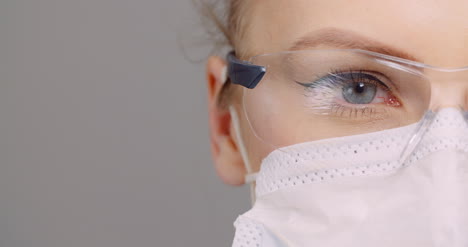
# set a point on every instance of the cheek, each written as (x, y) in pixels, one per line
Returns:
(257, 149)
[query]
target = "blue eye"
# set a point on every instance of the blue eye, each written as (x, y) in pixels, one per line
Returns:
(358, 87)
(350, 94)
(352, 87)
(359, 92)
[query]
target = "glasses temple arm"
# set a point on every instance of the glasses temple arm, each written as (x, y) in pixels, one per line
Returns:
(244, 73)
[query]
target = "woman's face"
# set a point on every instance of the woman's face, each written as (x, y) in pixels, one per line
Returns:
(432, 32)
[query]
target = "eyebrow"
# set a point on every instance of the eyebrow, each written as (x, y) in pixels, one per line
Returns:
(345, 39)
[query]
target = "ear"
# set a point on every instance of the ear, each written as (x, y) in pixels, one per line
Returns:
(226, 155)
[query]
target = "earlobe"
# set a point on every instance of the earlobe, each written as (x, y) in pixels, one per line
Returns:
(226, 154)
(228, 163)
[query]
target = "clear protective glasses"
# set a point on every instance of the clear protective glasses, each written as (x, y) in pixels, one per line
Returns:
(299, 96)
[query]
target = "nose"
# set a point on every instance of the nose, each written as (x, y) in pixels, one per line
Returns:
(449, 94)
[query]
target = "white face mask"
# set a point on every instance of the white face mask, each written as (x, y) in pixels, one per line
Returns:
(354, 191)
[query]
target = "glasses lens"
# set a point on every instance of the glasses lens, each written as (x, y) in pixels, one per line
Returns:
(317, 94)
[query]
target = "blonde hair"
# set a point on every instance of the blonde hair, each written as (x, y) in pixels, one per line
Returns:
(225, 18)
(226, 28)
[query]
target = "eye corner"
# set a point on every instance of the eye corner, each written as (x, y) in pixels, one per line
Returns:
(304, 84)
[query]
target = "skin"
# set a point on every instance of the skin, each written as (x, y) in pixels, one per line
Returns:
(433, 32)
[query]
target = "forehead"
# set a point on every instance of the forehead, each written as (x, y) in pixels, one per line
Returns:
(435, 31)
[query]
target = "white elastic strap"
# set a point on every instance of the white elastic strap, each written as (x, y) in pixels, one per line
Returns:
(235, 123)
(224, 75)
(250, 177)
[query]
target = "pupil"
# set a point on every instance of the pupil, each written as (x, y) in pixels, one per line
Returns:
(360, 87)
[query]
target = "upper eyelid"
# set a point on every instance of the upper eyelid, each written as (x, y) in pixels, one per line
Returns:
(370, 77)
(383, 79)
(374, 76)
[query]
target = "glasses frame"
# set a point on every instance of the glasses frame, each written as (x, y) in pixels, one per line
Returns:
(248, 75)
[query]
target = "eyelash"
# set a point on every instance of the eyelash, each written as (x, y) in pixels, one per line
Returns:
(351, 72)
(340, 110)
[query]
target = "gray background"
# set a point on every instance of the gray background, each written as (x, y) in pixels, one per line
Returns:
(103, 128)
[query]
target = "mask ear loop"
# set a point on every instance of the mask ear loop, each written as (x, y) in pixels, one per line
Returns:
(224, 75)
(421, 130)
(250, 177)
